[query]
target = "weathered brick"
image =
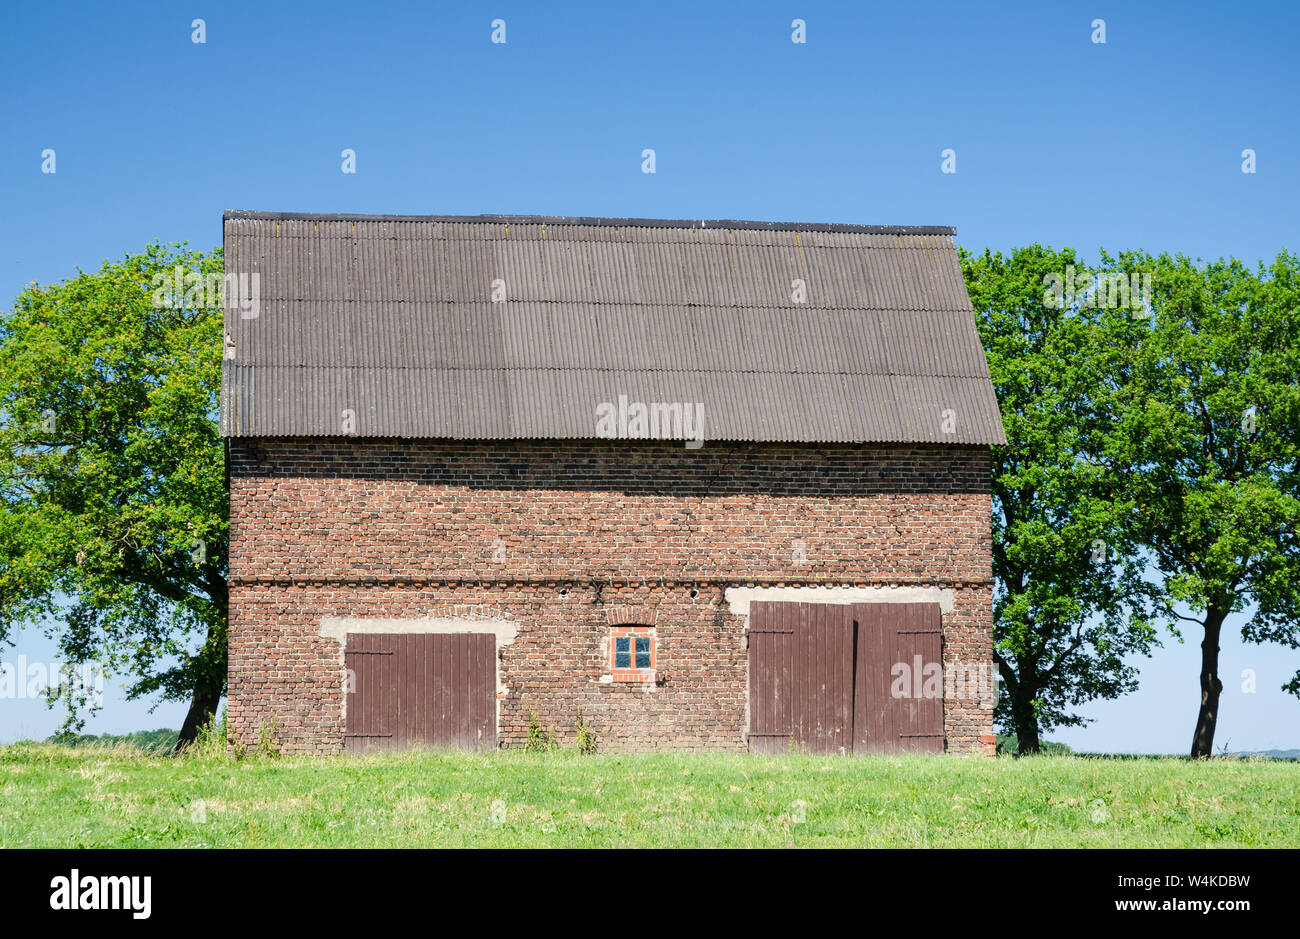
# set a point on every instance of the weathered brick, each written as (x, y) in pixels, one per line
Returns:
(405, 529)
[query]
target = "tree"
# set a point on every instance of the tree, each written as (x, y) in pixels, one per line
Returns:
(1201, 414)
(113, 502)
(1068, 594)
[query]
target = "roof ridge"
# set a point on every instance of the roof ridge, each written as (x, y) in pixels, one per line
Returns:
(597, 369)
(600, 222)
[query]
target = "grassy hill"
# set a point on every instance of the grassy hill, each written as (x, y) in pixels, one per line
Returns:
(88, 796)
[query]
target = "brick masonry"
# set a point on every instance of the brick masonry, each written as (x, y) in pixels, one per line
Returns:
(565, 539)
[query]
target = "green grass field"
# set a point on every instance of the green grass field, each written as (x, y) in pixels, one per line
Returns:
(53, 796)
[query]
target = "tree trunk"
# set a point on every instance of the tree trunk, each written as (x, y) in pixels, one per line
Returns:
(1022, 712)
(203, 706)
(1203, 739)
(209, 670)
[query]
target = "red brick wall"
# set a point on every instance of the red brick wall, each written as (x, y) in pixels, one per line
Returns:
(400, 529)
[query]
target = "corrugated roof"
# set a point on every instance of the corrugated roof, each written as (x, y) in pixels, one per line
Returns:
(391, 319)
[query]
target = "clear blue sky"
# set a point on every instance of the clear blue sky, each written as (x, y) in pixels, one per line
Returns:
(1135, 143)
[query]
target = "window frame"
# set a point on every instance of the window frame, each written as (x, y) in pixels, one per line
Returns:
(632, 632)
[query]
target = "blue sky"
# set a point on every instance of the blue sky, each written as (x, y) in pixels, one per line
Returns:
(1134, 143)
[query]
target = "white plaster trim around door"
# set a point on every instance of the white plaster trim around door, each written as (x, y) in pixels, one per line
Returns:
(739, 598)
(338, 627)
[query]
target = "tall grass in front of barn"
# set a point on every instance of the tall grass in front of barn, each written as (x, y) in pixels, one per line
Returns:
(120, 796)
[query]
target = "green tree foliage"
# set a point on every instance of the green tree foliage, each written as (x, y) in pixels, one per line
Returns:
(113, 501)
(1200, 407)
(1068, 593)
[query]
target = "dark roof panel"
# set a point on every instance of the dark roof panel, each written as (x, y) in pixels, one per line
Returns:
(392, 319)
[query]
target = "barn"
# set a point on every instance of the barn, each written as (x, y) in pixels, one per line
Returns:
(721, 485)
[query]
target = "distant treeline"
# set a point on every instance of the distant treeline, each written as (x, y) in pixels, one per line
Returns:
(1008, 744)
(151, 740)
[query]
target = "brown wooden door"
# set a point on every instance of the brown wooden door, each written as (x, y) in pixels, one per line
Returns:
(898, 704)
(825, 677)
(800, 677)
(771, 678)
(434, 690)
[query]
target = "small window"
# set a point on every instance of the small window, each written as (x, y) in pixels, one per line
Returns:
(632, 650)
